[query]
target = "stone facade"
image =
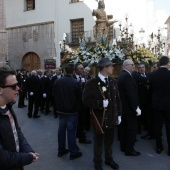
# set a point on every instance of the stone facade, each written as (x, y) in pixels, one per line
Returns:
(3, 35)
(36, 38)
(168, 37)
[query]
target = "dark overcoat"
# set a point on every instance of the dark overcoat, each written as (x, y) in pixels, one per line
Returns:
(160, 87)
(128, 92)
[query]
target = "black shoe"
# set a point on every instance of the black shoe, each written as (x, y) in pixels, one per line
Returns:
(168, 152)
(21, 106)
(61, 153)
(29, 116)
(37, 116)
(112, 164)
(77, 155)
(132, 153)
(147, 136)
(98, 167)
(159, 150)
(46, 113)
(86, 141)
(55, 115)
(122, 149)
(25, 105)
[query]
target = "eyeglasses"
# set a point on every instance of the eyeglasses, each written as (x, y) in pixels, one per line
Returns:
(12, 86)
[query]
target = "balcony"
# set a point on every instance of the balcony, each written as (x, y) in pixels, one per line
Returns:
(72, 39)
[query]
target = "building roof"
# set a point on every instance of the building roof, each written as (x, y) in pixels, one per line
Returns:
(168, 20)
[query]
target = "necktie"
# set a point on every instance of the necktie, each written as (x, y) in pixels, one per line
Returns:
(106, 81)
(80, 79)
(143, 75)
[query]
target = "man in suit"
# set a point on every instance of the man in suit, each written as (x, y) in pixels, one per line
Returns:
(102, 96)
(87, 121)
(144, 121)
(46, 88)
(56, 76)
(21, 78)
(79, 76)
(33, 84)
(130, 109)
(67, 109)
(160, 83)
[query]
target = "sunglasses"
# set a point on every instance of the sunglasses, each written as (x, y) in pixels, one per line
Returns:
(12, 86)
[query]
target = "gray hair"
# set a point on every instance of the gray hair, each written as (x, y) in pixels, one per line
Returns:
(33, 73)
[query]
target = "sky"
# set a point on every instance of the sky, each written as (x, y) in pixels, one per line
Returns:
(163, 5)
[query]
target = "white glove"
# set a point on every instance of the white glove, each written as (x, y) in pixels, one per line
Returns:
(138, 111)
(31, 93)
(119, 119)
(82, 80)
(44, 95)
(105, 103)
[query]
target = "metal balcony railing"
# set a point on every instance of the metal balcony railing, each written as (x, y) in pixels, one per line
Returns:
(73, 38)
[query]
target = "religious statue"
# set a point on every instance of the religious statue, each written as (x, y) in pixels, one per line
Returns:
(102, 23)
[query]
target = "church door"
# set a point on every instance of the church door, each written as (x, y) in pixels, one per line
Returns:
(31, 61)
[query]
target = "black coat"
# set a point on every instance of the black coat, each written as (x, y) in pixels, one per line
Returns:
(128, 92)
(144, 91)
(160, 87)
(67, 94)
(93, 99)
(33, 84)
(46, 85)
(10, 159)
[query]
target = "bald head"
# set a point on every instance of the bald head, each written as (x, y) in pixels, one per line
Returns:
(128, 65)
(128, 61)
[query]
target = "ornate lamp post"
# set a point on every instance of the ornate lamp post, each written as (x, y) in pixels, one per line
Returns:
(157, 43)
(142, 32)
(126, 39)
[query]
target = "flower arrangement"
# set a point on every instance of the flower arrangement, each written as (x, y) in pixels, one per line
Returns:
(91, 56)
(117, 54)
(143, 55)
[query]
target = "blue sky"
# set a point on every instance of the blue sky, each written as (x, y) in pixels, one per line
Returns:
(163, 4)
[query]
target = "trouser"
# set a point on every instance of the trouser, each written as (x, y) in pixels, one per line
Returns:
(32, 102)
(21, 99)
(67, 123)
(103, 141)
(128, 131)
(161, 116)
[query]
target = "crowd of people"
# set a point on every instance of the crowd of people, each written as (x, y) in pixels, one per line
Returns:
(137, 100)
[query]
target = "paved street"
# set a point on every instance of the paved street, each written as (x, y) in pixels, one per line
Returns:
(42, 136)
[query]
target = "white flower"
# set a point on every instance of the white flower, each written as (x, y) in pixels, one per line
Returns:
(103, 89)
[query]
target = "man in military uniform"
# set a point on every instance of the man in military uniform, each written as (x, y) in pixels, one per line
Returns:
(102, 96)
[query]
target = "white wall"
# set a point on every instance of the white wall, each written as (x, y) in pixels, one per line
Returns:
(61, 12)
(16, 14)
